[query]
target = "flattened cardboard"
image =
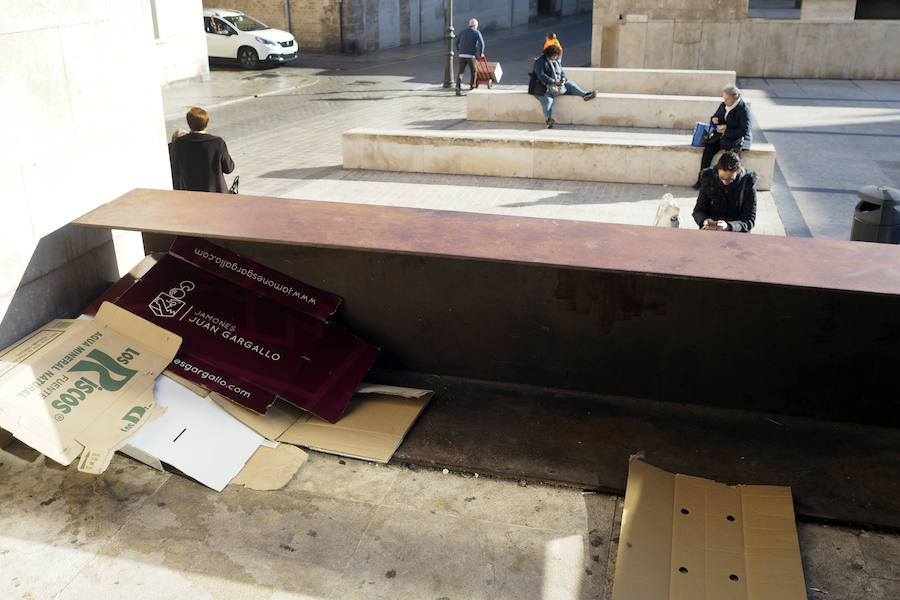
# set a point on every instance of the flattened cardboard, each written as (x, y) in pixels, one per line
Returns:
(686, 538)
(195, 436)
(271, 468)
(245, 336)
(371, 428)
(271, 425)
(83, 387)
(259, 278)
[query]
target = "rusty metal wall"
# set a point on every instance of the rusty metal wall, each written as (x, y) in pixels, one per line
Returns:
(763, 347)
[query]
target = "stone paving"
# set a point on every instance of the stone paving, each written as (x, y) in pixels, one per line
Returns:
(350, 529)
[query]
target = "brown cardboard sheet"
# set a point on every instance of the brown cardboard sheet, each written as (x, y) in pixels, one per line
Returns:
(687, 538)
(84, 387)
(371, 428)
(271, 468)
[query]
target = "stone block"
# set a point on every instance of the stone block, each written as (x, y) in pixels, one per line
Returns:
(35, 83)
(829, 11)
(686, 45)
(610, 46)
(808, 50)
(676, 82)
(718, 44)
(479, 155)
(779, 50)
(623, 110)
(658, 45)
(544, 155)
(872, 49)
(837, 51)
(631, 45)
(751, 54)
(382, 151)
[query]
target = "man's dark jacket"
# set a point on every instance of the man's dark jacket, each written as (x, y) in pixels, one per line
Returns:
(199, 161)
(738, 126)
(470, 41)
(544, 73)
(734, 203)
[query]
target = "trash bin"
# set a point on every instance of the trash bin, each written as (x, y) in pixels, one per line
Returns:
(877, 215)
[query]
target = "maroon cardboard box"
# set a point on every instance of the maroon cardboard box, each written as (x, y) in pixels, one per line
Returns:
(250, 333)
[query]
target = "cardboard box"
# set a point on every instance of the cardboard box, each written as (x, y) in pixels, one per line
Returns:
(250, 333)
(495, 71)
(195, 436)
(686, 538)
(83, 387)
(372, 428)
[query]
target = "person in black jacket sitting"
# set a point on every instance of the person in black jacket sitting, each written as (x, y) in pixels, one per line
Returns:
(733, 123)
(727, 200)
(548, 80)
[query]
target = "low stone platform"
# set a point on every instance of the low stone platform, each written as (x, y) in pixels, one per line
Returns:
(677, 82)
(617, 157)
(622, 110)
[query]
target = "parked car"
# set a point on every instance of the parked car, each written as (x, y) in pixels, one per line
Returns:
(231, 34)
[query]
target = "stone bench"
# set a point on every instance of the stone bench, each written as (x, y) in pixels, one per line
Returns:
(624, 110)
(676, 82)
(545, 154)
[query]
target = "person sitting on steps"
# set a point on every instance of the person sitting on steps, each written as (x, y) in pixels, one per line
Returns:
(733, 123)
(551, 39)
(548, 80)
(727, 199)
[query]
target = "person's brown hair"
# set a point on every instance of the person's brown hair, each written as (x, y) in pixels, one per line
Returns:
(551, 36)
(551, 51)
(729, 161)
(197, 118)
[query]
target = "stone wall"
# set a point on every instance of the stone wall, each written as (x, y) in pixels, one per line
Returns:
(765, 48)
(825, 45)
(370, 25)
(180, 39)
(83, 125)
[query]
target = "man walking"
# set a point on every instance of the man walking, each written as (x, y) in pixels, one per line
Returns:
(469, 44)
(199, 160)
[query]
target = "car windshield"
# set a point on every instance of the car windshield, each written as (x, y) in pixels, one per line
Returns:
(245, 23)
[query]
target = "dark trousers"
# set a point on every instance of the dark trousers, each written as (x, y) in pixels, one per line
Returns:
(463, 63)
(710, 149)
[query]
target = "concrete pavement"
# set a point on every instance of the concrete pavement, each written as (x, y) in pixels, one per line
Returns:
(350, 529)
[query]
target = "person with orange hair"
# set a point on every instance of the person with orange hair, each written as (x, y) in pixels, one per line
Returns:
(552, 40)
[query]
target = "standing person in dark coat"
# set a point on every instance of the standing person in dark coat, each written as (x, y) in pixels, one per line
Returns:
(200, 159)
(727, 200)
(469, 45)
(733, 123)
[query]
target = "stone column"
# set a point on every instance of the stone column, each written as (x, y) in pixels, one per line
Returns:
(830, 11)
(605, 33)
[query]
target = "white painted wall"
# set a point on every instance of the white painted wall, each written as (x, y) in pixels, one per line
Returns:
(83, 124)
(179, 38)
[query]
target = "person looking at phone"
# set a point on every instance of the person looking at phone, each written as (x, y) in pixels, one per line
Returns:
(732, 122)
(727, 199)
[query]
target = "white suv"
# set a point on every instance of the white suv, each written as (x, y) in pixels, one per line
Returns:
(234, 35)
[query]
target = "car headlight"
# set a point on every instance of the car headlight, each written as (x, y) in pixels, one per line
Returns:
(265, 41)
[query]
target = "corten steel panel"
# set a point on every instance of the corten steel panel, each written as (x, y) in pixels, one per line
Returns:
(568, 307)
(775, 260)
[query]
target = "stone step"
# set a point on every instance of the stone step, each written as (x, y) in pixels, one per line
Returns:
(677, 82)
(618, 157)
(623, 110)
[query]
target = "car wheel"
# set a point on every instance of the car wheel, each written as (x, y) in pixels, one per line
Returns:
(248, 57)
